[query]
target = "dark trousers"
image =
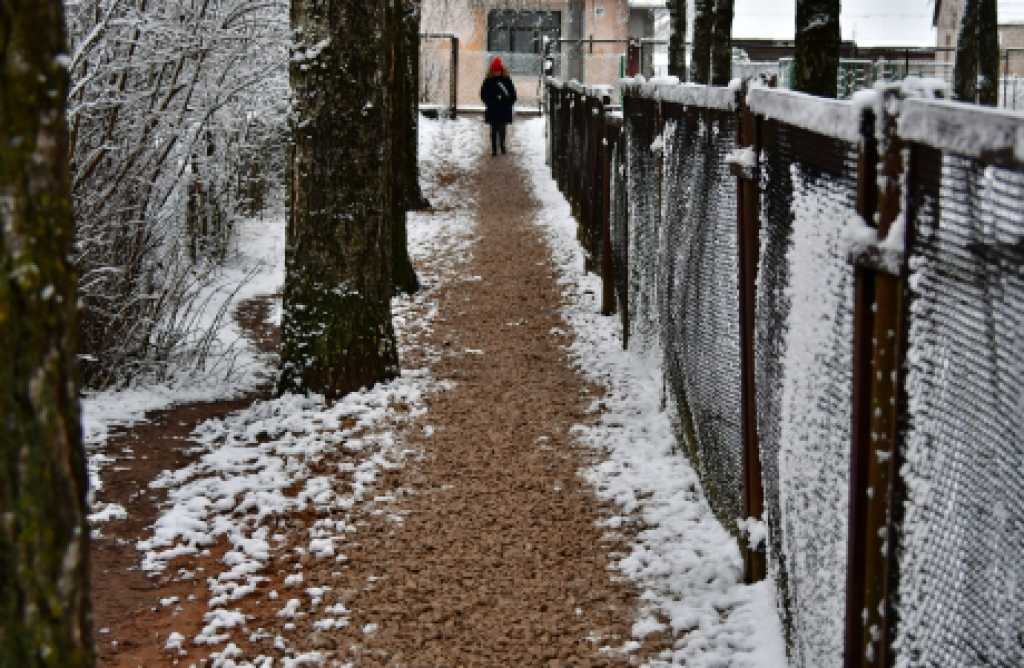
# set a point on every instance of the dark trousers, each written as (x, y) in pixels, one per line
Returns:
(498, 137)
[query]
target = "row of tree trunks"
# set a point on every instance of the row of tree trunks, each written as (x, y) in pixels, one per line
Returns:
(711, 61)
(337, 334)
(976, 72)
(45, 617)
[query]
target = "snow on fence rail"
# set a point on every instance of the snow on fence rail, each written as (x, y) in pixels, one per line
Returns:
(833, 292)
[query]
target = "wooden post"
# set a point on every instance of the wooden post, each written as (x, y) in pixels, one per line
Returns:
(748, 246)
(879, 346)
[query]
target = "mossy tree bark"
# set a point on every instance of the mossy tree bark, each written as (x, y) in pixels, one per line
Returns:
(45, 616)
(337, 334)
(816, 63)
(703, 35)
(721, 44)
(404, 18)
(976, 72)
(677, 39)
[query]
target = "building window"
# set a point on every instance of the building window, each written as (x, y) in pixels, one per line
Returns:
(518, 37)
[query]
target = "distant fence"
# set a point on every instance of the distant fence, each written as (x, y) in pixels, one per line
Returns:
(835, 295)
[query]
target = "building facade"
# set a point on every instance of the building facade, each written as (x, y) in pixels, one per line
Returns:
(586, 37)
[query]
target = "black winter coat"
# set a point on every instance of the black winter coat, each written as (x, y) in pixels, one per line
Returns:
(499, 95)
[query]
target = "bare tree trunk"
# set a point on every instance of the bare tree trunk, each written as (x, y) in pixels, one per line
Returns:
(406, 175)
(721, 47)
(988, 53)
(965, 70)
(337, 334)
(677, 39)
(976, 72)
(816, 66)
(45, 615)
(703, 34)
(412, 34)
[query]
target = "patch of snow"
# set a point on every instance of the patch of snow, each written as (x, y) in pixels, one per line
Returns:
(833, 118)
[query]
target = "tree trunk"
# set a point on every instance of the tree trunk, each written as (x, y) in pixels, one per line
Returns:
(703, 33)
(45, 616)
(965, 70)
(406, 194)
(721, 47)
(677, 39)
(417, 201)
(976, 72)
(337, 334)
(988, 53)
(816, 66)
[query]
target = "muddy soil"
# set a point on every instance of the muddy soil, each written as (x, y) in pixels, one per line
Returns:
(132, 624)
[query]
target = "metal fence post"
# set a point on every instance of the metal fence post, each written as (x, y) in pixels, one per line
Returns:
(609, 140)
(879, 346)
(455, 76)
(748, 245)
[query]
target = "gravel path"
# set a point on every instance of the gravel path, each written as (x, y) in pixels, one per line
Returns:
(498, 561)
(478, 543)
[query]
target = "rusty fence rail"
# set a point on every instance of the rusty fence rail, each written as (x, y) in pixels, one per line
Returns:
(835, 293)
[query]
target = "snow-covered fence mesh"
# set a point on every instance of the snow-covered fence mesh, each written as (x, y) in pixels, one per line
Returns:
(962, 531)
(684, 309)
(803, 359)
(866, 386)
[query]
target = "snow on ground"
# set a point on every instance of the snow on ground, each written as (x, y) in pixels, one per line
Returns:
(255, 267)
(264, 463)
(687, 565)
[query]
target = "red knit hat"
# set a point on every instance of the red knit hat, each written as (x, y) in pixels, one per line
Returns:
(497, 66)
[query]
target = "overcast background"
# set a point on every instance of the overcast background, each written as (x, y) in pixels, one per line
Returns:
(868, 22)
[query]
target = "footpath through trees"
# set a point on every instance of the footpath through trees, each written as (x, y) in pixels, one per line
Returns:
(453, 517)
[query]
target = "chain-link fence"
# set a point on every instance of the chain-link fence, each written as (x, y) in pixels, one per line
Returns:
(962, 532)
(803, 363)
(835, 302)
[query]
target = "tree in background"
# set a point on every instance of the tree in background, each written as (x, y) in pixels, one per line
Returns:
(721, 45)
(711, 62)
(337, 334)
(976, 72)
(677, 39)
(703, 35)
(45, 616)
(404, 17)
(816, 62)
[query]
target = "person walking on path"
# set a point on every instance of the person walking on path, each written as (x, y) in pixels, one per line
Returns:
(498, 94)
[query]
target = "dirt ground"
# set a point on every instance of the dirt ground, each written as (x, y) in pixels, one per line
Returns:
(488, 552)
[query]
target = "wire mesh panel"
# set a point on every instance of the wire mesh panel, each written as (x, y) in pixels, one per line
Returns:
(644, 197)
(803, 368)
(961, 537)
(435, 73)
(699, 297)
(619, 228)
